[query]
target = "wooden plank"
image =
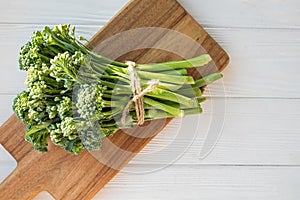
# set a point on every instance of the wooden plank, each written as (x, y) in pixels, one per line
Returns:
(273, 65)
(83, 175)
(6, 107)
(266, 183)
(276, 139)
(213, 13)
(206, 182)
(255, 132)
(244, 13)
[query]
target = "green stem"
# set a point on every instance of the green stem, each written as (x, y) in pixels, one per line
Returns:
(190, 92)
(207, 80)
(172, 96)
(169, 109)
(192, 111)
(185, 64)
(166, 78)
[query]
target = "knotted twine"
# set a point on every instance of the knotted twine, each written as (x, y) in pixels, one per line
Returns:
(138, 94)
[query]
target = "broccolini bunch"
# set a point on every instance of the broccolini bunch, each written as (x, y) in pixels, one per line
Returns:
(76, 97)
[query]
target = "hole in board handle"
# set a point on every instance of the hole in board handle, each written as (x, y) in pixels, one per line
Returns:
(44, 196)
(7, 164)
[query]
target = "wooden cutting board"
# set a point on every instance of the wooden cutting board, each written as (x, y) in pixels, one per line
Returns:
(72, 177)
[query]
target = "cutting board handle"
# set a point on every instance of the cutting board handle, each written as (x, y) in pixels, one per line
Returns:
(20, 183)
(12, 137)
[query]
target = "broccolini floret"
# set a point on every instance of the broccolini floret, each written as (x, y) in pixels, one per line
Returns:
(21, 107)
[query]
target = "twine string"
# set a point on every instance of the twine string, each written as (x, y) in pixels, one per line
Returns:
(138, 94)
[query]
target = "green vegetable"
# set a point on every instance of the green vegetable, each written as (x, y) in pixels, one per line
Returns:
(76, 97)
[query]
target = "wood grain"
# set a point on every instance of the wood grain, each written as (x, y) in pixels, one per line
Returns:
(213, 13)
(81, 177)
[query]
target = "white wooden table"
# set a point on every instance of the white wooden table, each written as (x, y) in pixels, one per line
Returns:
(258, 153)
